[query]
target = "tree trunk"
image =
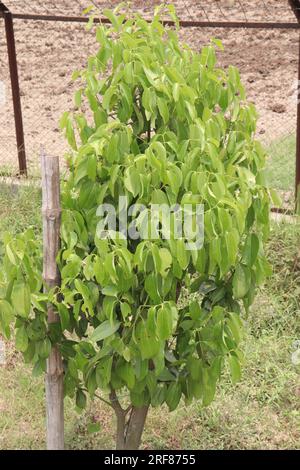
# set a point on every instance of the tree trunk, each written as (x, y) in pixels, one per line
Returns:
(51, 243)
(129, 433)
(129, 428)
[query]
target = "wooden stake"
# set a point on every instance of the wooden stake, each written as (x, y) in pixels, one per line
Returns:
(51, 243)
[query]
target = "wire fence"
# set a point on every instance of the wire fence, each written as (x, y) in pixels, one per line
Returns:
(48, 52)
(211, 10)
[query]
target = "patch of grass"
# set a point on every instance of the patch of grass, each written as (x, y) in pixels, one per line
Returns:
(12, 171)
(261, 412)
(281, 164)
(7, 170)
(20, 207)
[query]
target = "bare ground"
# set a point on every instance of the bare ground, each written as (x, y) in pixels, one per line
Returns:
(48, 52)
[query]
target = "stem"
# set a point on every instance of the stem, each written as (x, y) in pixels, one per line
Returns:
(149, 131)
(121, 415)
(130, 430)
(178, 291)
(135, 427)
(100, 398)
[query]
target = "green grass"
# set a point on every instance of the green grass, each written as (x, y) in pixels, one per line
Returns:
(19, 206)
(261, 411)
(281, 163)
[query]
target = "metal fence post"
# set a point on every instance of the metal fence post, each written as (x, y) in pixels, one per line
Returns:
(14, 78)
(297, 173)
(295, 5)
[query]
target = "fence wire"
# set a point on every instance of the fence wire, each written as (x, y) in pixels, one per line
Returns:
(48, 52)
(212, 10)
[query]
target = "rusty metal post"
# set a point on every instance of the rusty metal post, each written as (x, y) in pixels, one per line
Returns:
(297, 178)
(14, 78)
(295, 6)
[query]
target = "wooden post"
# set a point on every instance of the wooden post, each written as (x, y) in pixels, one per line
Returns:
(51, 243)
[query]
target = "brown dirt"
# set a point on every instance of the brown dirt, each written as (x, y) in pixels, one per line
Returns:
(49, 51)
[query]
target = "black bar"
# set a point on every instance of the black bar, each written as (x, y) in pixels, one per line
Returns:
(182, 23)
(13, 68)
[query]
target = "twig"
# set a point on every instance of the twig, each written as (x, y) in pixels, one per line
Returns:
(103, 399)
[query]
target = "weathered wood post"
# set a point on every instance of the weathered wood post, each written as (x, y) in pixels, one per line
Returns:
(51, 243)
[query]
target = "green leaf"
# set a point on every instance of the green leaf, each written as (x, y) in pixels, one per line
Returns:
(114, 19)
(275, 197)
(21, 299)
(106, 103)
(209, 385)
(109, 266)
(235, 326)
(39, 368)
(251, 248)
(44, 348)
(88, 10)
(86, 295)
(126, 372)
(6, 316)
(104, 331)
(176, 91)
(92, 167)
(173, 395)
(235, 368)
(151, 76)
(197, 135)
(71, 134)
(241, 281)
(72, 268)
(164, 323)
(110, 291)
(163, 109)
(11, 255)
(218, 43)
(80, 399)
(232, 243)
(151, 287)
(194, 367)
(78, 98)
(159, 197)
(166, 260)
(132, 181)
(93, 428)
(125, 309)
(148, 344)
(21, 339)
(159, 395)
(182, 253)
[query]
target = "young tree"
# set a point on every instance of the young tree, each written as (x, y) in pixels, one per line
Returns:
(143, 320)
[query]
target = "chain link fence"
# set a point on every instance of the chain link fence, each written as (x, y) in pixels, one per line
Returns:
(48, 52)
